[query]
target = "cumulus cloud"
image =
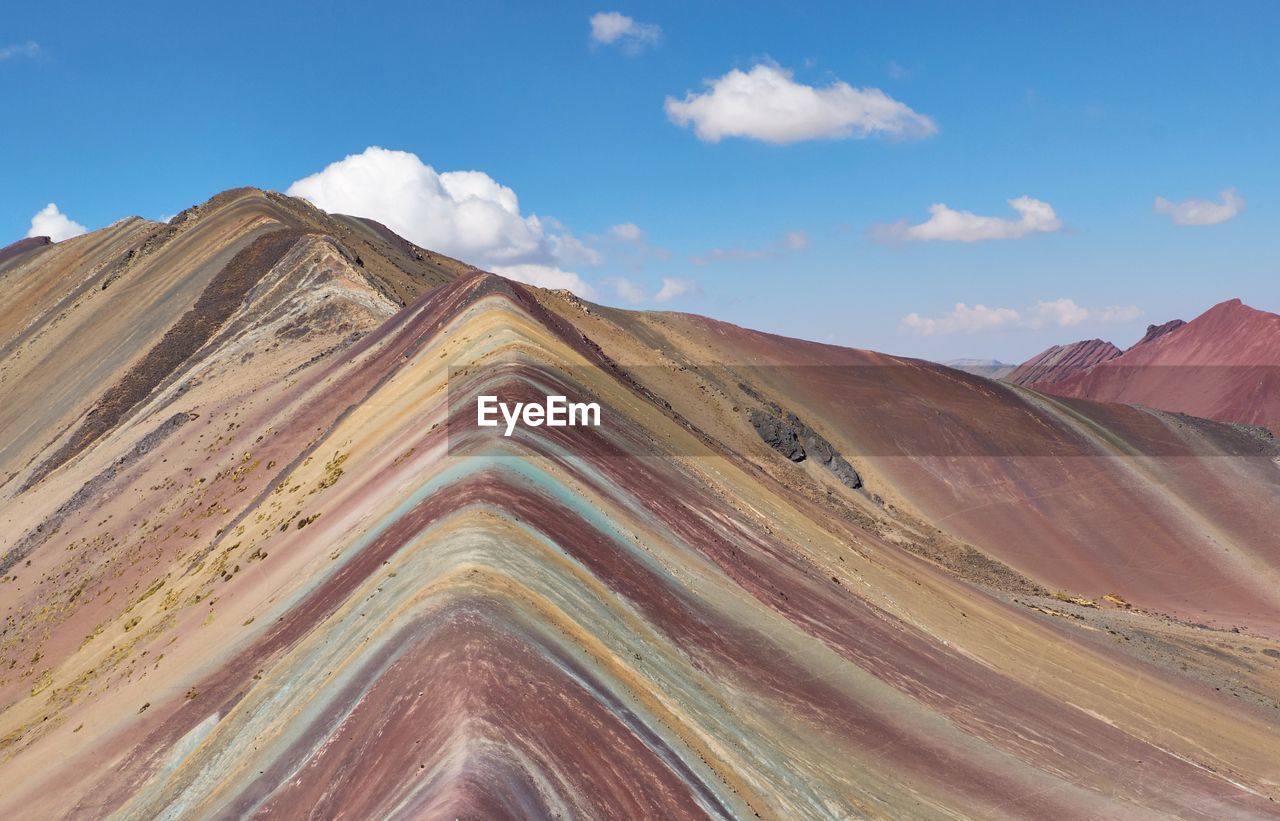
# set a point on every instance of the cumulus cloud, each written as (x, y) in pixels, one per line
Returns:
(465, 214)
(1062, 313)
(1201, 212)
(766, 104)
(947, 224)
(27, 49)
(52, 223)
(460, 213)
(546, 276)
(790, 242)
(611, 28)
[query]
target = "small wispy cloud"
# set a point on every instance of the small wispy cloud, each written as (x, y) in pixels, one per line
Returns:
(27, 49)
(1060, 313)
(949, 225)
(790, 242)
(897, 71)
(1201, 212)
(629, 247)
(612, 28)
(627, 232)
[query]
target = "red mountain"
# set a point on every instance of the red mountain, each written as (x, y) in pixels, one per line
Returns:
(1223, 365)
(1062, 362)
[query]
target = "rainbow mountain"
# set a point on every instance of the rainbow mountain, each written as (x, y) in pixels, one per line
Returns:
(258, 559)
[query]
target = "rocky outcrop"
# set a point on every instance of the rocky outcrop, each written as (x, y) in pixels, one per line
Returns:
(1156, 331)
(1062, 362)
(785, 433)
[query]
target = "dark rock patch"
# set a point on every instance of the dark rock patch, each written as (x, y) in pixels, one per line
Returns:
(1157, 331)
(789, 436)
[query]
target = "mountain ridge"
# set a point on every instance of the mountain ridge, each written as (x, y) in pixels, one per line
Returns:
(1060, 362)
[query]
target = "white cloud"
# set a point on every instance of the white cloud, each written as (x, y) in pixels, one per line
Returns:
(947, 224)
(673, 288)
(766, 104)
(1062, 313)
(629, 247)
(629, 291)
(1065, 313)
(962, 319)
(27, 49)
(546, 276)
(1201, 212)
(636, 294)
(617, 29)
(52, 223)
(627, 232)
(790, 242)
(1117, 313)
(465, 214)
(569, 249)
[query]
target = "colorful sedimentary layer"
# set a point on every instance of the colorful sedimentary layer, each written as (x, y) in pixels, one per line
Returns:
(259, 559)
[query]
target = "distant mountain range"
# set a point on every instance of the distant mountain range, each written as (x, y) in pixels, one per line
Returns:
(990, 368)
(1223, 365)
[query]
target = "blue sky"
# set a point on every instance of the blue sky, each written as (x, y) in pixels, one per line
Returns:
(1092, 109)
